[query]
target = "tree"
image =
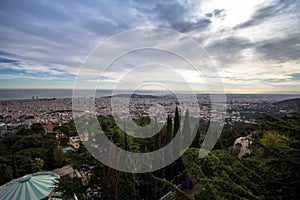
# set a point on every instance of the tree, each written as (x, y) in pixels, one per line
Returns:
(279, 156)
(37, 128)
(196, 141)
(6, 173)
(147, 186)
(125, 182)
(30, 141)
(224, 176)
(176, 129)
(58, 155)
(126, 146)
(49, 160)
(10, 139)
(272, 171)
(176, 122)
(25, 131)
(169, 135)
(186, 129)
(170, 170)
(125, 186)
(69, 187)
(158, 136)
(69, 129)
(38, 163)
(15, 167)
(273, 138)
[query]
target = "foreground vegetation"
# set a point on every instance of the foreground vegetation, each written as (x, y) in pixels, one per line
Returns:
(271, 171)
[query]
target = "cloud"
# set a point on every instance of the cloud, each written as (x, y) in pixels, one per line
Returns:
(178, 15)
(267, 12)
(229, 50)
(5, 60)
(280, 49)
(251, 42)
(60, 34)
(217, 13)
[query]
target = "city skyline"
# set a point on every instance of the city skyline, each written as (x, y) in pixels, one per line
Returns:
(254, 44)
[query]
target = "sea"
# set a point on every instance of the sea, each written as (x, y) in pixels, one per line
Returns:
(19, 94)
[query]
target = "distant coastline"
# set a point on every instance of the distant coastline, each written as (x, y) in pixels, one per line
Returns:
(19, 94)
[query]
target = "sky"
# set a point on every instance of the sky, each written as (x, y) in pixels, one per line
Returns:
(253, 44)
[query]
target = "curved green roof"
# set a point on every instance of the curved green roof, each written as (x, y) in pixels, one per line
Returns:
(29, 187)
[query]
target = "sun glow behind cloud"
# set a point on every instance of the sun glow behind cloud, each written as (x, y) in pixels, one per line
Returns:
(237, 12)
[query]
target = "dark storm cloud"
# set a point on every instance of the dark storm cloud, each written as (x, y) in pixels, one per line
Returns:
(279, 7)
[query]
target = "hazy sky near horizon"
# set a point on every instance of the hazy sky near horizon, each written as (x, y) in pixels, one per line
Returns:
(255, 44)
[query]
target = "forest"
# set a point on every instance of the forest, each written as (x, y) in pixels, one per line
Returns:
(270, 171)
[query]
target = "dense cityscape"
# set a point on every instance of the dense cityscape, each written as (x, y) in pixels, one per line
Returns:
(240, 108)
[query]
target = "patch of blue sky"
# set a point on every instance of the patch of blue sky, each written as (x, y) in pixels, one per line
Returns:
(295, 76)
(5, 60)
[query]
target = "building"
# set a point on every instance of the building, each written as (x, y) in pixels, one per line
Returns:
(49, 128)
(242, 146)
(67, 172)
(29, 187)
(74, 141)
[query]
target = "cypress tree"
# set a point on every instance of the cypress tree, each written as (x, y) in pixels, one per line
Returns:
(158, 136)
(196, 141)
(170, 170)
(15, 168)
(186, 130)
(126, 147)
(169, 134)
(176, 122)
(125, 183)
(125, 186)
(185, 134)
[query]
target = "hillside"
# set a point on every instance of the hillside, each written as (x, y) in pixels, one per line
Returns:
(289, 104)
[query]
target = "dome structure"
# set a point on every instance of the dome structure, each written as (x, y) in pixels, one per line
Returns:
(29, 187)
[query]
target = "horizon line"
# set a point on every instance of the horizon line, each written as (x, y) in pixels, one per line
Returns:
(178, 91)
